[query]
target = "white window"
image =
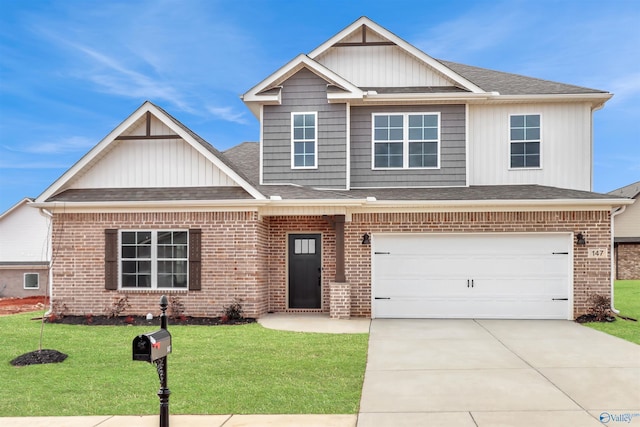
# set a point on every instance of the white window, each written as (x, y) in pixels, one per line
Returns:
(154, 259)
(406, 140)
(31, 280)
(304, 140)
(524, 141)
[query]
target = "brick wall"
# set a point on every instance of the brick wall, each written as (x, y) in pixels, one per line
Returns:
(244, 257)
(590, 275)
(279, 229)
(628, 261)
(233, 261)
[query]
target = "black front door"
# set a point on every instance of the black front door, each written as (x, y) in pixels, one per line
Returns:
(305, 271)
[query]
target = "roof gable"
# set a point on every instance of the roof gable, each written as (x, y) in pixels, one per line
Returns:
(370, 38)
(121, 159)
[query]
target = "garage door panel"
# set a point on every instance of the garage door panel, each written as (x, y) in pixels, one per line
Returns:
(477, 275)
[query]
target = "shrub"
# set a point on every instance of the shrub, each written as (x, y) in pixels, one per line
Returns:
(233, 311)
(118, 307)
(176, 308)
(600, 308)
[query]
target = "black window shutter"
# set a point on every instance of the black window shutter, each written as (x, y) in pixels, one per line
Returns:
(111, 259)
(195, 244)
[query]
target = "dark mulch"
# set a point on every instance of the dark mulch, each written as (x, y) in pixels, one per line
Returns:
(142, 321)
(39, 357)
(585, 318)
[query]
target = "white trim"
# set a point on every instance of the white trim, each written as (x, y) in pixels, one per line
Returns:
(153, 259)
(261, 166)
(348, 143)
(405, 141)
(304, 140)
(467, 144)
(24, 281)
(292, 67)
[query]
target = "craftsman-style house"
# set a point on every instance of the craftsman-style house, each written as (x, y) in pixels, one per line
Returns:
(385, 183)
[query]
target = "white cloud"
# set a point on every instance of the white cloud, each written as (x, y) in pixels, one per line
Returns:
(227, 114)
(76, 144)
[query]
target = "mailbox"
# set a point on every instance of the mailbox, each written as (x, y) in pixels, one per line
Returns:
(152, 346)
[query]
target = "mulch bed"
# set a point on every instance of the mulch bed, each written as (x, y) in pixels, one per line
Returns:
(586, 318)
(39, 357)
(142, 321)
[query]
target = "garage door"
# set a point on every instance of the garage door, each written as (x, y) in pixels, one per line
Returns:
(508, 276)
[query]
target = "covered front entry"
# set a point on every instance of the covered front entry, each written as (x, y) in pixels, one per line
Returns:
(305, 271)
(501, 275)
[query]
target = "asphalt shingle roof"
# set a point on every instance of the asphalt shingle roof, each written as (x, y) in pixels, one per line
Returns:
(630, 191)
(514, 84)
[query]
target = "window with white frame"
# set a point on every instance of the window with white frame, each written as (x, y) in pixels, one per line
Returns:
(304, 131)
(524, 141)
(406, 140)
(31, 280)
(155, 259)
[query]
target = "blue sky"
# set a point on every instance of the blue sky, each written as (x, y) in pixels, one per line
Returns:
(71, 71)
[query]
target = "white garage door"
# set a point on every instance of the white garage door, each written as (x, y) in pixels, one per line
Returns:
(508, 276)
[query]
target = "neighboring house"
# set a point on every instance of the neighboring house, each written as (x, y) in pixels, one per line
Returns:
(24, 251)
(626, 233)
(386, 183)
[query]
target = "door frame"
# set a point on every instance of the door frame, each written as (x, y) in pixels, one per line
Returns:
(287, 255)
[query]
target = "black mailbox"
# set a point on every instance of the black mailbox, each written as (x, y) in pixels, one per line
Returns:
(152, 346)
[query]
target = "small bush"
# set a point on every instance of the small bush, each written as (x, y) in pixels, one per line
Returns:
(118, 307)
(176, 308)
(58, 310)
(600, 308)
(233, 311)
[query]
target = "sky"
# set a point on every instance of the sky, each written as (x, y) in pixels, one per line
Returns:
(73, 70)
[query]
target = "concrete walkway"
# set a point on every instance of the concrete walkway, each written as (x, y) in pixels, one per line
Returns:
(476, 373)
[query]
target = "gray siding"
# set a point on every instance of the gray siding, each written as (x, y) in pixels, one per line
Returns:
(452, 171)
(305, 92)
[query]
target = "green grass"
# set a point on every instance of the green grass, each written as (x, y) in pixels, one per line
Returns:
(627, 300)
(212, 370)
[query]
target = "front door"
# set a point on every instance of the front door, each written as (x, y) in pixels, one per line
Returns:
(305, 271)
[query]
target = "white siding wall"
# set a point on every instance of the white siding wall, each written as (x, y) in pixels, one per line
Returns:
(380, 66)
(565, 145)
(24, 235)
(628, 223)
(153, 163)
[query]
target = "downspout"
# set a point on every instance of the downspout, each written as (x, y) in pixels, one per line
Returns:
(613, 279)
(45, 212)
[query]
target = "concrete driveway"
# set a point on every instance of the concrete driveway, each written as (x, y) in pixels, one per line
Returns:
(498, 373)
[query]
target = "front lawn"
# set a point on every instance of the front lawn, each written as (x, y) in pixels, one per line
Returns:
(212, 370)
(627, 300)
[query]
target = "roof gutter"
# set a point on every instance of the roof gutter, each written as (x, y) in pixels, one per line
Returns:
(48, 214)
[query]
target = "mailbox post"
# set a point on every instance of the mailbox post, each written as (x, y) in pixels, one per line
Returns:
(153, 348)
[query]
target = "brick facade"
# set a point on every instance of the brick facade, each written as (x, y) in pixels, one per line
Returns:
(627, 262)
(245, 257)
(590, 276)
(234, 248)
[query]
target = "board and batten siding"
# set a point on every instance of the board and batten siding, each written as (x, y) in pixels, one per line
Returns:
(153, 163)
(305, 92)
(452, 171)
(381, 66)
(565, 145)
